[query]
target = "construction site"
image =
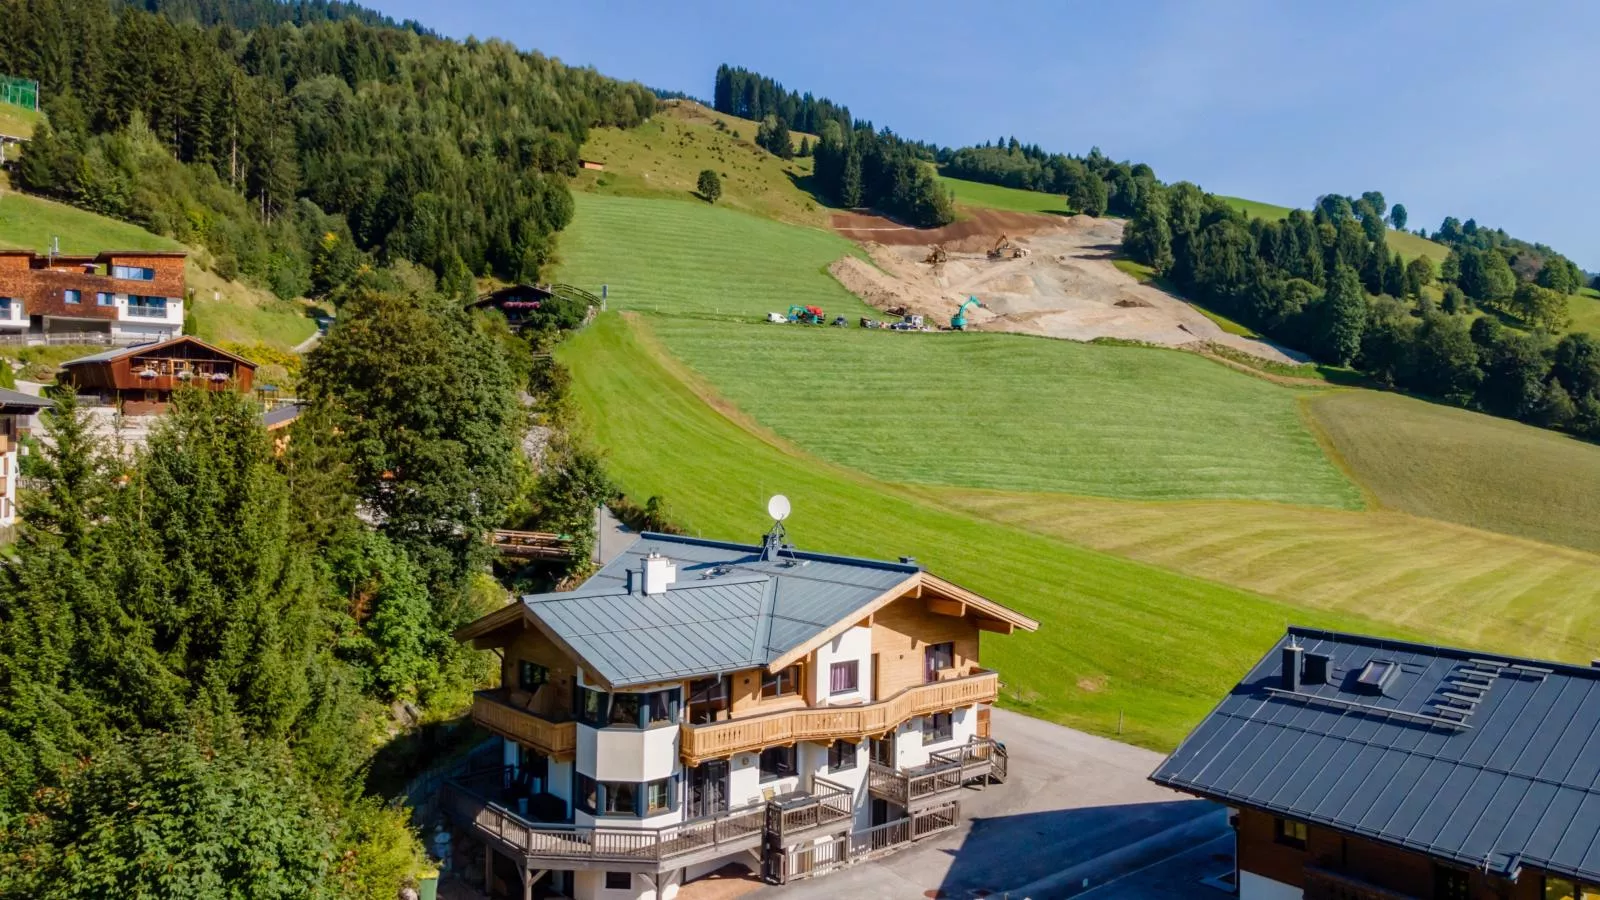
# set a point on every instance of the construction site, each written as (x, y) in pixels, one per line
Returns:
(1030, 274)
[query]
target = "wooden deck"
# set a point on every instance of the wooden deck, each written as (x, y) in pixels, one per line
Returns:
(531, 544)
(492, 710)
(945, 773)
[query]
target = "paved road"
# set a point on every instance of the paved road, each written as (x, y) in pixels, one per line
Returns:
(1074, 804)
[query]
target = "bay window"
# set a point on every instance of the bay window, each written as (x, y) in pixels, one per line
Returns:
(598, 709)
(625, 798)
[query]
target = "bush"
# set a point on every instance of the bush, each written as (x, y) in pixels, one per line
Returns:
(709, 185)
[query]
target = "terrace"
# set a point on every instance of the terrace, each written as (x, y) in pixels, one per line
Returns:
(946, 772)
(554, 735)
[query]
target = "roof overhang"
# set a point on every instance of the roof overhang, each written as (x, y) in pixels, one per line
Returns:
(518, 613)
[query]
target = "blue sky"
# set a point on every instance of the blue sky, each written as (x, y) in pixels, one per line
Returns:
(1464, 108)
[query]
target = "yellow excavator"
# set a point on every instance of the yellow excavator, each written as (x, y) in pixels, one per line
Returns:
(1005, 249)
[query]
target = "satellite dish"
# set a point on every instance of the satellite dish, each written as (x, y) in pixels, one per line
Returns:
(778, 507)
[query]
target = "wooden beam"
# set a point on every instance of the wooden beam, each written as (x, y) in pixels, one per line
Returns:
(946, 607)
(994, 625)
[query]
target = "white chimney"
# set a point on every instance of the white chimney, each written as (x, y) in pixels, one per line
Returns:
(658, 573)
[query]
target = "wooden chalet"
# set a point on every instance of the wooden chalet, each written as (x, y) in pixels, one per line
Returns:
(521, 302)
(140, 379)
(1360, 768)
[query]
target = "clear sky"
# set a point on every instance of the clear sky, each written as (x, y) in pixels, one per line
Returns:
(1452, 107)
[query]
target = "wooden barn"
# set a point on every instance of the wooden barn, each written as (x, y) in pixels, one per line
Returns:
(140, 379)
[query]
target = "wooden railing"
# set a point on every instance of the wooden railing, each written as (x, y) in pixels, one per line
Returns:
(563, 846)
(945, 772)
(830, 803)
(720, 739)
(1328, 884)
(821, 857)
(557, 739)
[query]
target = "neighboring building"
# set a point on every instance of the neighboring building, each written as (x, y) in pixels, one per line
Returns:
(140, 379)
(563, 305)
(16, 409)
(697, 703)
(1365, 768)
(126, 294)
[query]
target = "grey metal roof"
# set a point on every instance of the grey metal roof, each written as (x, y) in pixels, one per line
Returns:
(1479, 758)
(728, 608)
(12, 398)
(283, 412)
(113, 353)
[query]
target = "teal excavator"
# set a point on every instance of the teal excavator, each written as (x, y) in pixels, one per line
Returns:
(959, 320)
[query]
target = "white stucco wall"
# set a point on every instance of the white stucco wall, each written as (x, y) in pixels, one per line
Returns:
(1255, 887)
(591, 886)
(560, 781)
(908, 746)
(744, 780)
(627, 754)
(856, 644)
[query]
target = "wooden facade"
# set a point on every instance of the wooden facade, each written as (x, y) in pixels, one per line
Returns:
(140, 379)
(42, 284)
(1333, 865)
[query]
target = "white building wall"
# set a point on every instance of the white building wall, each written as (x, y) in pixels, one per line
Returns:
(591, 886)
(8, 503)
(853, 778)
(1255, 887)
(854, 644)
(627, 754)
(909, 749)
(559, 782)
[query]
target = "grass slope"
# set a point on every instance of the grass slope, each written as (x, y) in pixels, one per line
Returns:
(1460, 466)
(1018, 413)
(1584, 307)
(1118, 636)
(1457, 584)
(17, 122)
(691, 258)
(664, 157)
(1404, 243)
(28, 223)
(993, 196)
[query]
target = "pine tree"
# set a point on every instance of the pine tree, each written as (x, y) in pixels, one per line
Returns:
(1342, 317)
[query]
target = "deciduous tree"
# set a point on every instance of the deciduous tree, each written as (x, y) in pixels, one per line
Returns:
(709, 185)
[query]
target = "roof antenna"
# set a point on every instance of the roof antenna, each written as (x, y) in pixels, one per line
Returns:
(778, 509)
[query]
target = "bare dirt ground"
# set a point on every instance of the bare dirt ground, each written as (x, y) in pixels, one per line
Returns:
(1065, 287)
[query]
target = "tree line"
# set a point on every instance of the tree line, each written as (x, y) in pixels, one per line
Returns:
(862, 167)
(1325, 281)
(743, 93)
(1092, 184)
(405, 146)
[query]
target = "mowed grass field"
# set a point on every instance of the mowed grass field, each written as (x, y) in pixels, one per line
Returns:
(663, 158)
(1459, 585)
(993, 196)
(17, 122)
(1118, 637)
(28, 223)
(686, 257)
(1405, 243)
(1018, 413)
(1585, 310)
(1460, 466)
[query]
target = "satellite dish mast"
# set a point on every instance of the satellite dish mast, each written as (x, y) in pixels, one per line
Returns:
(778, 509)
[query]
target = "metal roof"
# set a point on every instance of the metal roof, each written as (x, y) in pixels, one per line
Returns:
(113, 353)
(147, 346)
(728, 608)
(282, 414)
(12, 398)
(1482, 759)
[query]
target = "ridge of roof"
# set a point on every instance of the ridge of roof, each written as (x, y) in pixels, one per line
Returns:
(863, 561)
(1442, 651)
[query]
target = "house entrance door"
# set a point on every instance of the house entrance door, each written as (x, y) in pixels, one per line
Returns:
(708, 788)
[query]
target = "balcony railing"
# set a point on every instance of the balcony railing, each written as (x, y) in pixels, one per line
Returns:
(826, 804)
(555, 846)
(945, 773)
(721, 739)
(814, 858)
(1329, 884)
(147, 312)
(492, 710)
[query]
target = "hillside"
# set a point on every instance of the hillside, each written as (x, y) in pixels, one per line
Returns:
(664, 157)
(17, 122)
(993, 196)
(1405, 243)
(221, 310)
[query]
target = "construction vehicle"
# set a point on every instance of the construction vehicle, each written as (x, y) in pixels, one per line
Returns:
(806, 315)
(914, 320)
(840, 322)
(778, 318)
(936, 254)
(870, 323)
(959, 320)
(1005, 249)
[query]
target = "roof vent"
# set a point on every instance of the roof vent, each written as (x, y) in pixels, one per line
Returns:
(1316, 667)
(908, 560)
(1376, 676)
(658, 573)
(1291, 667)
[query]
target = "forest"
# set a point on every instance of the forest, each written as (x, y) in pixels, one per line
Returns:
(1324, 281)
(740, 92)
(276, 145)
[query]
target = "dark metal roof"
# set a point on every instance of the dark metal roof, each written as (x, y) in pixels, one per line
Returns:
(1483, 759)
(147, 346)
(15, 401)
(282, 414)
(728, 608)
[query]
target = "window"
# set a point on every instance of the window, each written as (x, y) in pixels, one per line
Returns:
(844, 677)
(657, 796)
(1451, 884)
(5, 306)
(103, 298)
(841, 756)
(937, 657)
(781, 684)
(708, 699)
(619, 881)
(624, 710)
(136, 273)
(584, 794)
(777, 762)
(148, 307)
(591, 707)
(530, 675)
(597, 709)
(1290, 833)
(70, 296)
(624, 798)
(938, 727)
(881, 750)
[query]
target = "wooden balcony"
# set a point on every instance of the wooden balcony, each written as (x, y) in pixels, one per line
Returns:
(545, 845)
(722, 739)
(945, 773)
(827, 808)
(492, 710)
(812, 858)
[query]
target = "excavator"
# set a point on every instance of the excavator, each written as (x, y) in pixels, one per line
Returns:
(936, 255)
(1005, 249)
(959, 320)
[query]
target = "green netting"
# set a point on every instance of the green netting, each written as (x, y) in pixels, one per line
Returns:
(19, 92)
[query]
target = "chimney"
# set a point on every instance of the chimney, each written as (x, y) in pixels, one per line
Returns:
(1316, 668)
(658, 573)
(1291, 667)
